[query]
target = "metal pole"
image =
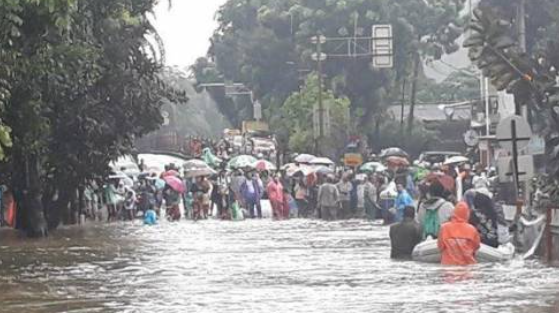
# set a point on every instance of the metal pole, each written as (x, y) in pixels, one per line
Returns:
(549, 236)
(403, 105)
(522, 25)
(487, 119)
(515, 157)
(320, 104)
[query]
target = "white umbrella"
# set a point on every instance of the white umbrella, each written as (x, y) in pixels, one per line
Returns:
(456, 160)
(304, 158)
(322, 161)
(127, 181)
(195, 165)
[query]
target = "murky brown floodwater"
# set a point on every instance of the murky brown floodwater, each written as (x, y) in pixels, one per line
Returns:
(252, 266)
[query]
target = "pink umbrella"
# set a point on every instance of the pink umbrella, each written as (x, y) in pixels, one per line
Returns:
(170, 173)
(175, 183)
(263, 165)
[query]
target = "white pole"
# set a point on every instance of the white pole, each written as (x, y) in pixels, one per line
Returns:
(487, 120)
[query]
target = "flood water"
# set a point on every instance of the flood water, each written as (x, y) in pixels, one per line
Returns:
(252, 266)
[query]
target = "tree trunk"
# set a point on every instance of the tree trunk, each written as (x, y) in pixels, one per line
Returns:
(28, 195)
(411, 116)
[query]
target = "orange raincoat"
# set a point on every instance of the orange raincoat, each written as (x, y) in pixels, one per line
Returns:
(458, 240)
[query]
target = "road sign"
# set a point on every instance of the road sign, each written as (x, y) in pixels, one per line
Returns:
(166, 118)
(525, 168)
(323, 57)
(523, 133)
(471, 138)
(382, 46)
(353, 159)
(316, 39)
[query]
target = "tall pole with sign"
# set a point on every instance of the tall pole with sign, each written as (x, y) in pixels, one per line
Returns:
(319, 57)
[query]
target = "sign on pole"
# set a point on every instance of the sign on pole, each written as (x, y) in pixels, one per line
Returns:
(382, 46)
(166, 118)
(523, 133)
(525, 168)
(257, 110)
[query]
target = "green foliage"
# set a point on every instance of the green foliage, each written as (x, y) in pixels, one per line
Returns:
(265, 43)
(535, 85)
(296, 115)
(78, 83)
(458, 86)
(391, 134)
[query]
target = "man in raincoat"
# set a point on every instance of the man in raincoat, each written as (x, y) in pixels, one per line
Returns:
(458, 240)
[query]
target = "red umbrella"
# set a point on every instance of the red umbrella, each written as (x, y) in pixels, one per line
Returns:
(396, 161)
(175, 183)
(445, 180)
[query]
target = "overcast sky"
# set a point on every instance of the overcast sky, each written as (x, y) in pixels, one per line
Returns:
(186, 28)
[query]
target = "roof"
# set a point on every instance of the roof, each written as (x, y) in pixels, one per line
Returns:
(430, 112)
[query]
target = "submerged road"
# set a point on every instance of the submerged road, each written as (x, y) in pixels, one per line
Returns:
(252, 266)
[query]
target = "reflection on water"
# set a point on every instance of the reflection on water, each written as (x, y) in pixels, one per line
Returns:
(253, 266)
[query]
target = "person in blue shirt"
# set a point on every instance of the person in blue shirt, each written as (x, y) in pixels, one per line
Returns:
(150, 217)
(402, 201)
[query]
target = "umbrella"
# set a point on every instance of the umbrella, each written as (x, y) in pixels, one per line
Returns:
(456, 160)
(304, 158)
(324, 170)
(170, 173)
(396, 161)
(127, 181)
(287, 166)
(394, 152)
(373, 167)
(242, 161)
(194, 165)
(321, 161)
(303, 171)
(175, 183)
(263, 165)
(445, 180)
(208, 171)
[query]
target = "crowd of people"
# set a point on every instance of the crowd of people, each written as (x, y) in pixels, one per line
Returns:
(452, 204)
(460, 218)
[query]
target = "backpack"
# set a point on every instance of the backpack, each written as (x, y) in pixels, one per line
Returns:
(431, 223)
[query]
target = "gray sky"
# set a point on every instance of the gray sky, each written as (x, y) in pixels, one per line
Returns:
(186, 28)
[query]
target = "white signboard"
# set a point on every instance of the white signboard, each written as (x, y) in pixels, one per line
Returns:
(525, 168)
(382, 42)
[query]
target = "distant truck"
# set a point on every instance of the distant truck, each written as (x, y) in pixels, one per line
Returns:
(258, 140)
(254, 126)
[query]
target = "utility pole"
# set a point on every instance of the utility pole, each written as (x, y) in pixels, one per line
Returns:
(319, 40)
(320, 104)
(522, 25)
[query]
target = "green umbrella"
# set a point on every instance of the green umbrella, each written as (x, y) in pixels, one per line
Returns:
(242, 161)
(372, 167)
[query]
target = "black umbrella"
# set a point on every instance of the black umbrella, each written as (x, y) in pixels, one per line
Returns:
(394, 152)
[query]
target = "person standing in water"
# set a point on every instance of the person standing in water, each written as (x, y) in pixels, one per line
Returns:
(405, 235)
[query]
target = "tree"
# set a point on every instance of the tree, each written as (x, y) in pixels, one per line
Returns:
(264, 44)
(531, 78)
(83, 86)
(297, 113)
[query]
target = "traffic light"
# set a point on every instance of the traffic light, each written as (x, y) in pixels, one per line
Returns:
(493, 51)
